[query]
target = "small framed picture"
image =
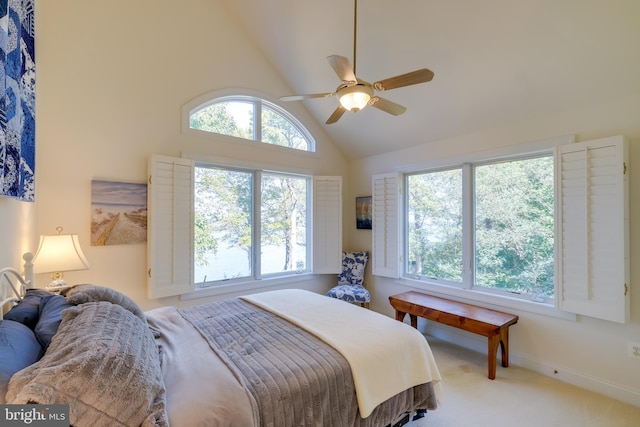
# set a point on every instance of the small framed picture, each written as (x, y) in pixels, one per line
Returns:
(363, 213)
(118, 213)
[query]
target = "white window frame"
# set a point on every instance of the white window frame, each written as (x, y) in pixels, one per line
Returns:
(256, 226)
(468, 282)
(171, 233)
(617, 295)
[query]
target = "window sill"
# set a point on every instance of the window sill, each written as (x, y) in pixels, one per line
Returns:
(491, 301)
(245, 286)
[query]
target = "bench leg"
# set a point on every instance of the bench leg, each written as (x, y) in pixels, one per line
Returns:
(414, 320)
(493, 350)
(504, 346)
(400, 317)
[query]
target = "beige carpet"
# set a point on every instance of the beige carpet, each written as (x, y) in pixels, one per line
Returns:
(516, 398)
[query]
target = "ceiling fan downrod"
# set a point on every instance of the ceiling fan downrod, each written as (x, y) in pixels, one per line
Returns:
(355, 32)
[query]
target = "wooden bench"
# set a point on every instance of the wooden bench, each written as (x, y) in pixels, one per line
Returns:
(489, 323)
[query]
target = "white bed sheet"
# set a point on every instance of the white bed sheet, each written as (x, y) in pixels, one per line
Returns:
(201, 390)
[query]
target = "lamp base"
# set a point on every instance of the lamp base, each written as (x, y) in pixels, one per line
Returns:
(57, 285)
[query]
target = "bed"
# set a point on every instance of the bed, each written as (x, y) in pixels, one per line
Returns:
(279, 358)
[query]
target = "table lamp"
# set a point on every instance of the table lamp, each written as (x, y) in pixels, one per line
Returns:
(57, 254)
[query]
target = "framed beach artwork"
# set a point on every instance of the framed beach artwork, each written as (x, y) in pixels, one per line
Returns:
(363, 213)
(118, 213)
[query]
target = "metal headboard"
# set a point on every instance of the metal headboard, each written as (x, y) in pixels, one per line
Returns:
(13, 285)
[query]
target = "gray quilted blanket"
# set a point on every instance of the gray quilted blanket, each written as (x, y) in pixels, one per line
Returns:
(294, 378)
(103, 362)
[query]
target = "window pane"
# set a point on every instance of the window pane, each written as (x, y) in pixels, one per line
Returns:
(277, 130)
(514, 228)
(435, 225)
(223, 201)
(228, 118)
(284, 223)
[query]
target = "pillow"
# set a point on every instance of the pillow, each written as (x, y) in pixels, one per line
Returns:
(19, 348)
(103, 363)
(50, 316)
(353, 264)
(27, 310)
(81, 294)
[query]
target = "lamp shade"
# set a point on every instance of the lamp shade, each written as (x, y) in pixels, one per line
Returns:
(59, 253)
(354, 98)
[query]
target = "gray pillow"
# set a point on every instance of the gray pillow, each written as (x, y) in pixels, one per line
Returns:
(81, 294)
(104, 363)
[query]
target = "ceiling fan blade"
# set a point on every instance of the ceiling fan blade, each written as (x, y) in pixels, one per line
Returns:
(387, 106)
(419, 76)
(336, 115)
(307, 96)
(343, 69)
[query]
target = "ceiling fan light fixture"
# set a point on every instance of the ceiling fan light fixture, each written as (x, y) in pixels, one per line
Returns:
(355, 98)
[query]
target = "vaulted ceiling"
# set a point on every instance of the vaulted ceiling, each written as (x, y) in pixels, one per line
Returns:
(495, 61)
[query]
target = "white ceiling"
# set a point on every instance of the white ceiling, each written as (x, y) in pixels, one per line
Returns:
(495, 61)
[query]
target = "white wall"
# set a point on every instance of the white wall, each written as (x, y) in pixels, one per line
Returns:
(17, 225)
(112, 78)
(588, 352)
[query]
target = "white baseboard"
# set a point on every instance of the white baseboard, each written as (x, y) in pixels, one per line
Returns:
(564, 374)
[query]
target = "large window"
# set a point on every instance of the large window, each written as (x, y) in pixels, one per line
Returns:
(544, 232)
(508, 244)
(251, 118)
(240, 232)
(215, 227)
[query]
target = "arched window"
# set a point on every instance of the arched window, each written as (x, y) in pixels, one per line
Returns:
(252, 118)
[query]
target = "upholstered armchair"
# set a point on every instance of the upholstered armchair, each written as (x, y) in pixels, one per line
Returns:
(350, 286)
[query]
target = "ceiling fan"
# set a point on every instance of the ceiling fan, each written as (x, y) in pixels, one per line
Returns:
(354, 94)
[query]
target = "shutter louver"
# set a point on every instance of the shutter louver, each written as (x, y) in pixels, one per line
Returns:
(593, 223)
(327, 224)
(386, 220)
(171, 247)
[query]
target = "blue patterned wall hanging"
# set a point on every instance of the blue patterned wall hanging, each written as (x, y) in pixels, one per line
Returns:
(17, 99)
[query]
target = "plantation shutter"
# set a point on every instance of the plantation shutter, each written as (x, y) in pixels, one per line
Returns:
(593, 253)
(170, 229)
(327, 224)
(386, 222)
